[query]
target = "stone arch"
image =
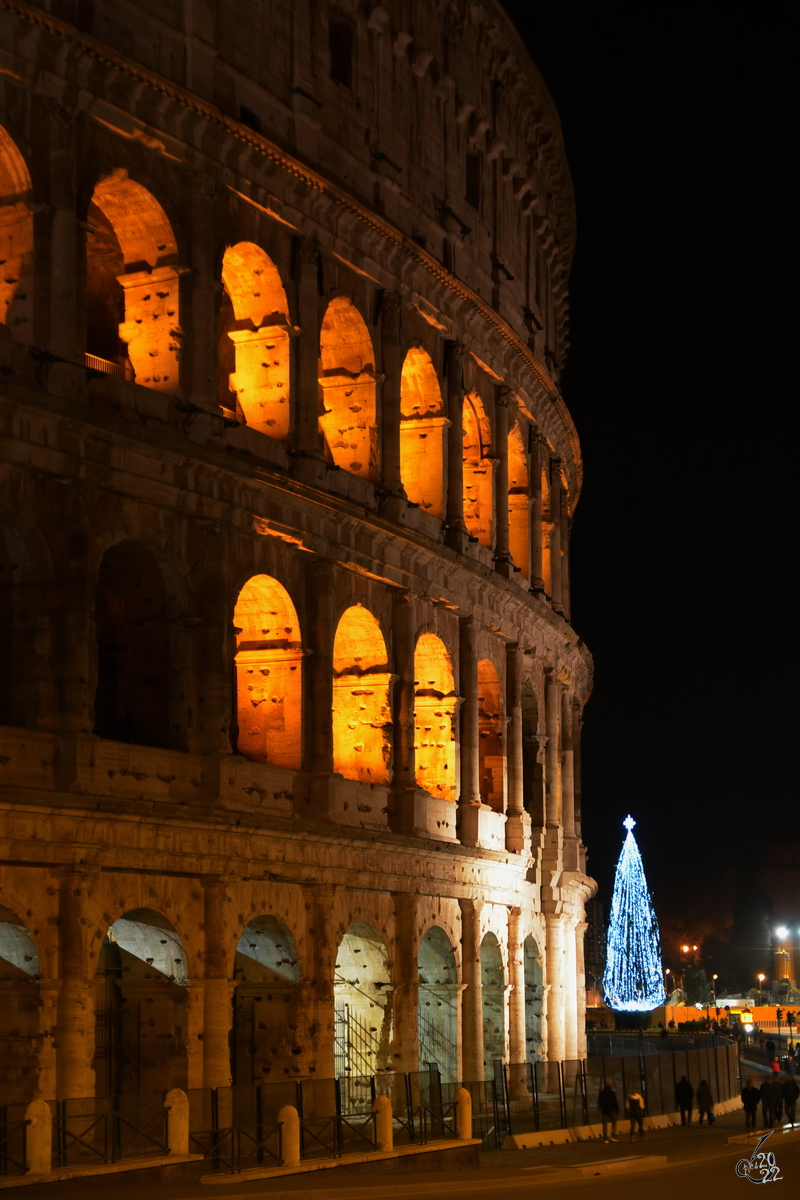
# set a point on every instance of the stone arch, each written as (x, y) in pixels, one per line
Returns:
(422, 427)
(435, 705)
(141, 997)
(268, 688)
(267, 977)
(532, 770)
(16, 241)
(348, 418)
(24, 623)
(534, 998)
(132, 698)
(254, 346)
(437, 1003)
(547, 529)
(133, 322)
(362, 997)
(519, 502)
(478, 471)
(20, 1009)
(362, 715)
(493, 997)
(491, 738)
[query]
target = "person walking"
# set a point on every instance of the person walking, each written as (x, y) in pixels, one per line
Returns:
(705, 1103)
(684, 1095)
(636, 1112)
(750, 1097)
(790, 1093)
(777, 1098)
(767, 1104)
(609, 1111)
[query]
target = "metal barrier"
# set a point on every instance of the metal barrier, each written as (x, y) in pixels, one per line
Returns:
(92, 1131)
(106, 367)
(13, 1128)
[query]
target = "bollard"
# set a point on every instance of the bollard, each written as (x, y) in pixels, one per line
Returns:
(384, 1130)
(289, 1121)
(38, 1138)
(463, 1114)
(176, 1103)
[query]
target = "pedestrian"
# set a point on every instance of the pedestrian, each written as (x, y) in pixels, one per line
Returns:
(609, 1111)
(775, 1066)
(791, 1063)
(684, 1095)
(705, 1103)
(767, 1104)
(790, 1093)
(777, 1097)
(750, 1097)
(636, 1112)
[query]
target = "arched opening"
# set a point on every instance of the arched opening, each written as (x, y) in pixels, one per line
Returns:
(132, 700)
(491, 738)
(269, 675)
(141, 999)
(435, 704)
(534, 995)
(16, 242)
(362, 715)
(532, 767)
(478, 471)
(422, 426)
(437, 1012)
(132, 303)
(493, 993)
(519, 502)
(267, 974)
(254, 349)
(362, 997)
(547, 529)
(20, 1007)
(347, 390)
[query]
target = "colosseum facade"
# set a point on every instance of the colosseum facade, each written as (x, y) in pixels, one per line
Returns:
(290, 702)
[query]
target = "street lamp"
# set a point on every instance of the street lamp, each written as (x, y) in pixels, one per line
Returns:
(714, 979)
(761, 979)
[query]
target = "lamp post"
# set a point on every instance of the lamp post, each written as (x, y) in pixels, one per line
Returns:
(761, 979)
(714, 979)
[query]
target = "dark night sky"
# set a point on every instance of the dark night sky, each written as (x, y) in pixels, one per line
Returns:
(678, 379)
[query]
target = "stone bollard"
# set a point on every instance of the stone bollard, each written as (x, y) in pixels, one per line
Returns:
(289, 1121)
(177, 1105)
(38, 1138)
(463, 1102)
(384, 1131)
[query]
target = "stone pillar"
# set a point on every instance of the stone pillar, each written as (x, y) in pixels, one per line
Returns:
(67, 261)
(405, 1032)
(517, 826)
(75, 1032)
(306, 360)
(502, 557)
(219, 948)
(318, 685)
(566, 525)
(472, 1000)
(322, 942)
(555, 534)
(389, 402)
(469, 800)
(537, 582)
(552, 706)
(404, 774)
(204, 296)
(577, 725)
(570, 993)
(516, 978)
(580, 988)
(555, 979)
(567, 767)
(457, 535)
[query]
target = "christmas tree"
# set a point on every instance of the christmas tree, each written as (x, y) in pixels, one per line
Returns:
(632, 980)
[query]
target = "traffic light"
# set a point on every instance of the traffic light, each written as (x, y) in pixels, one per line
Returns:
(779, 1015)
(717, 1011)
(791, 1019)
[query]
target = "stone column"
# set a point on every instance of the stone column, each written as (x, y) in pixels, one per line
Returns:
(516, 978)
(322, 941)
(204, 296)
(566, 525)
(75, 1031)
(567, 767)
(389, 404)
(555, 979)
(577, 725)
(218, 986)
(469, 800)
(318, 684)
(457, 535)
(67, 261)
(405, 1032)
(502, 557)
(404, 775)
(580, 989)
(555, 534)
(537, 582)
(305, 364)
(570, 993)
(516, 823)
(552, 706)
(472, 1000)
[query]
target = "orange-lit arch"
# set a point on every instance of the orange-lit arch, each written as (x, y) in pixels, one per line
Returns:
(362, 716)
(132, 283)
(547, 529)
(16, 242)
(435, 706)
(491, 742)
(478, 471)
(269, 676)
(422, 426)
(519, 502)
(256, 320)
(347, 390)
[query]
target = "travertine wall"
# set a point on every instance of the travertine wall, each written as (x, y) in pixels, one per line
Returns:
(290, 703)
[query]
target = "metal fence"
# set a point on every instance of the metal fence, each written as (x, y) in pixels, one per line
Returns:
(91, 1131)
(13, 1126)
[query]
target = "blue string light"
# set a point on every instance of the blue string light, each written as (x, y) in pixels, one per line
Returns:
(632, 980)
